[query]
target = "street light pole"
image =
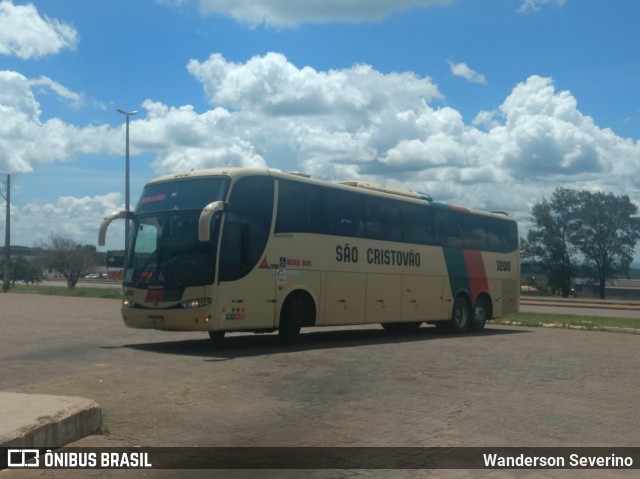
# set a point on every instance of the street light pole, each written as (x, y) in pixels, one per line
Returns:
(7, 238)
(126, 180)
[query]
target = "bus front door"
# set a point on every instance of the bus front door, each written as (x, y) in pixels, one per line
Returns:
(248, 304)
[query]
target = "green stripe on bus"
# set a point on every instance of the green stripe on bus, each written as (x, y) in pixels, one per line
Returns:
(457, 270)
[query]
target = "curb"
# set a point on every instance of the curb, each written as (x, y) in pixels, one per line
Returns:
(38, 420)
(607, 329)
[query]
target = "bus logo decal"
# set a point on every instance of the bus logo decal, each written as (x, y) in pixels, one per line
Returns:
(264, 264)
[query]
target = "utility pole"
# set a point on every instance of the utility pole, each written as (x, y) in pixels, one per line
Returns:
(7, 238)
(126, 181)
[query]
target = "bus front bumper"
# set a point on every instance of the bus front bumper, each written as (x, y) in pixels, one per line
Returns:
(197, 319)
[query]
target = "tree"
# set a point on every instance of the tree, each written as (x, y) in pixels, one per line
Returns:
(22, 269)
(547, 243)
(605, 228)
(602, 228)
(67, 257)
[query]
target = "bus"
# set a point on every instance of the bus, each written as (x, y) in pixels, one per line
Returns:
(257, 250)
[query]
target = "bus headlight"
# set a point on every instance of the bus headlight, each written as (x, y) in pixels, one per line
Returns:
(127, 303)
(196, 303)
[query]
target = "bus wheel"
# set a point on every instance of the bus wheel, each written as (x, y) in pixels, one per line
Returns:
(290, 320)
(216, 337)
(460, 315)
(401, 327)
(481, 313)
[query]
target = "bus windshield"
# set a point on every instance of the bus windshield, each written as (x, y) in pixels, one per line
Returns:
(164, 250)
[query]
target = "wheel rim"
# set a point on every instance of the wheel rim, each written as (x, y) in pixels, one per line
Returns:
(479, 316)
(460, 316)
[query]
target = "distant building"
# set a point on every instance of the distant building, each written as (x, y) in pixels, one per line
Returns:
(115, 264)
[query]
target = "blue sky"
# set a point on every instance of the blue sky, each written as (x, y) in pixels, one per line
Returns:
(490, 104)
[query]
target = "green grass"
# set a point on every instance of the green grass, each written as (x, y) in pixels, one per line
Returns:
(78, 291)
(569, 320)
(104, 428)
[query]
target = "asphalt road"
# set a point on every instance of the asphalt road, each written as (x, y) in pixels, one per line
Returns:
(507, 386)
(87, 283)
(583, 310)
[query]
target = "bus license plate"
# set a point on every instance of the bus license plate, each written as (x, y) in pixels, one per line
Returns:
(156, 319)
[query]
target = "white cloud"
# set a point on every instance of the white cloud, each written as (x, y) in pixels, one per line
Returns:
(289, 113)
(273, 85)
(184, 139)
(26, 141)
(74, 217)
(291, 13)
(16, 95)
(550, 136)
(360, 123)
(535, 5)
(339, 124)
(27, 34)
(76, 100)
(462, 70)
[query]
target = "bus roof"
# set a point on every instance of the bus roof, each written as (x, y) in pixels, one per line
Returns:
(364, 187)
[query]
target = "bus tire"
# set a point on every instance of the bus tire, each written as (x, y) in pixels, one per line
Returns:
(460, 315)
(481, 313)
(401, 327)
(291, 318)
(216, 337)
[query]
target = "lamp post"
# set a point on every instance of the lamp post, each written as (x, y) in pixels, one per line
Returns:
(7, 238)
(126, 180)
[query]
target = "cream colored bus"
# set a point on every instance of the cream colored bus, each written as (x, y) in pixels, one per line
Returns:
(238, 249)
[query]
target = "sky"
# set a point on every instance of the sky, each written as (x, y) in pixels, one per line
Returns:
(488, 104)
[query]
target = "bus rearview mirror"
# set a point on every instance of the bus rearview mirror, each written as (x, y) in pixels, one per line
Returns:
(102, 234)
(204, 223)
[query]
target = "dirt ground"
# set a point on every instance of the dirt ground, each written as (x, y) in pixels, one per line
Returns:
(507, 386)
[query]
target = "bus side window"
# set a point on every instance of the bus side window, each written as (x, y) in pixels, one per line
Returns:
(448, 228)
(343, 210)
(417, 224)
(236, 256)
(510, 236)
(440, 227)
(246, 229)
(474, 232)
(381, 220)
(454, 230)
(300, 209)
(289, 212)
(495, 235)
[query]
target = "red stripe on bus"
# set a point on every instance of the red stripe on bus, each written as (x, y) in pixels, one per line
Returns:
(476, 273)
(154, 296)
(459, 208)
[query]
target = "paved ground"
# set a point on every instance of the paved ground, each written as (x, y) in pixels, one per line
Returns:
(509, 386)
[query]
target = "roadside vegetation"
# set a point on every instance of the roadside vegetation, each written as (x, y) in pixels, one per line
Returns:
(579, 233)
(569, 321)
